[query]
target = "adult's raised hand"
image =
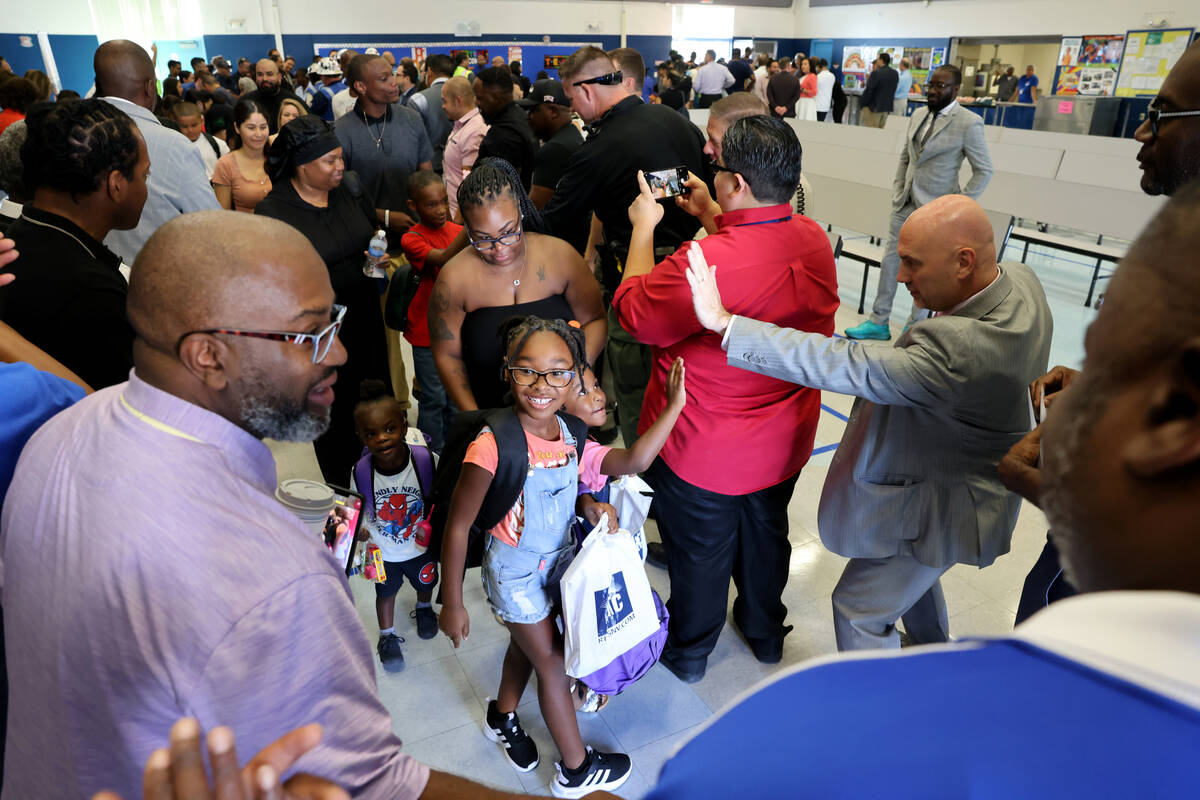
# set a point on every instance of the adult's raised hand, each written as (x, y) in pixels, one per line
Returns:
(706, 297)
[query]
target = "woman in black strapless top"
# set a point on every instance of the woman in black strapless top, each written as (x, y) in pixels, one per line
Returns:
(510, 270)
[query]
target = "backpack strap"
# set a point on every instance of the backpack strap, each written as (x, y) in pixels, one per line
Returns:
(512, 462)
(212, 142)
(422, 458)
(578, 429)
(364, 480)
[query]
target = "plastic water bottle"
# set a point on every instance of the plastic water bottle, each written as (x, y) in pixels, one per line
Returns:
(376, 249)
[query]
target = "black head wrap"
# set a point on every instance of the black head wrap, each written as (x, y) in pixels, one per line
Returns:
(302, 140)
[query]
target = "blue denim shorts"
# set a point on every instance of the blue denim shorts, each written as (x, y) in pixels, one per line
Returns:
(522, 587)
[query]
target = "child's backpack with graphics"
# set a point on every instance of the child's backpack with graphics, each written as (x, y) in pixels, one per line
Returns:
(422, 458)
(512, 465)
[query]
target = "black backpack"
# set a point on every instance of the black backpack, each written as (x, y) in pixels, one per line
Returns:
(511, 468)
(212, 142)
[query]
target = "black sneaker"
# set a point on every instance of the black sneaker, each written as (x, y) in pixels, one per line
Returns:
(427, 622)
(389, 652)
(605, 772)
(505, 729)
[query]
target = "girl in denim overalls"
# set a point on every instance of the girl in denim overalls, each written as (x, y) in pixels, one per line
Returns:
(526, 556)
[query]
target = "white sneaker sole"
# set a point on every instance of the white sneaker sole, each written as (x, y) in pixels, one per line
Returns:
(576, 792)
(494, 735)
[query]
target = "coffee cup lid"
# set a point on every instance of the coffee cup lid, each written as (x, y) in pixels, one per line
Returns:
(305, 495)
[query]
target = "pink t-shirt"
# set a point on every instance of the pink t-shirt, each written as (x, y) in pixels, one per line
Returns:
(543, 454)
(462, 148)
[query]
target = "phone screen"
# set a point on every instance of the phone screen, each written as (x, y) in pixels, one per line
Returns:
(341, 526)
(667, 182)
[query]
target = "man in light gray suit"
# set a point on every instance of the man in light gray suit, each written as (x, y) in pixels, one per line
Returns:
(939, 137)
(913, 488)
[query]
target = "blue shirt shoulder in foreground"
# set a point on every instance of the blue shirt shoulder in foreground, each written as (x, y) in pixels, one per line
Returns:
(28, 397)
(1052, 711)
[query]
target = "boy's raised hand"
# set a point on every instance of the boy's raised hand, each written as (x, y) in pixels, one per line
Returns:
(676, 391)
(455, 623)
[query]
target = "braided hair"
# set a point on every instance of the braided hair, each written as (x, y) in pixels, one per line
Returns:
(74, 147)
(487, 182)
(515, 332)
(373, 390)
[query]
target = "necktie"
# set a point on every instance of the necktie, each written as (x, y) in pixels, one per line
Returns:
(928, 130)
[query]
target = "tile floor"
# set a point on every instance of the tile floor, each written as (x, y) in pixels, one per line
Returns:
(437, 702)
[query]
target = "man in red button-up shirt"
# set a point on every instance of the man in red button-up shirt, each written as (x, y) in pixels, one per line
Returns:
(725, 476)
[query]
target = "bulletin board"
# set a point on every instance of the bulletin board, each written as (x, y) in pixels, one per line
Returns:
(858, 61)
(535, 56)
(1149, 55)
(924, 61)
(1087, 65)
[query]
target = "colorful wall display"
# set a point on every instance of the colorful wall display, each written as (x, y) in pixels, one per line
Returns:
(1149, 55)
(1102, 50)
(859, 60)
(1089, 81)
(1087, 65)
(530, 51)
(854, 68)
(1068, 53)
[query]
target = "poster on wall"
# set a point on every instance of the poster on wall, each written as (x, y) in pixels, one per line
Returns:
(938, 58)
(919, 58)
(514, 54)
(854, 68)
(1101, 50)
(1148, 57)
(552, 62)
(418, 55)
(1068, 52)
(1097, 81)
(896, 54)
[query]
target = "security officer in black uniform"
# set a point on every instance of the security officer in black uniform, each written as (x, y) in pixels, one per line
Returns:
(624, 135)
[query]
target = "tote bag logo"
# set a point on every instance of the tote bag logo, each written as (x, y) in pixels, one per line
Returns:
(613, 608)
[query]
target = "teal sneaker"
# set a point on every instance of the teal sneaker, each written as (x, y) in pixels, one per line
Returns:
(869, 330)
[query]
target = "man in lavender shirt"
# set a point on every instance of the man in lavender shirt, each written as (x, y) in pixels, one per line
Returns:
(147, 571)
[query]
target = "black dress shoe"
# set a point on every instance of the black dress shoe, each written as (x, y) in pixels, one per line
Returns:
(656, 554)
(767, 651)
(687, 676)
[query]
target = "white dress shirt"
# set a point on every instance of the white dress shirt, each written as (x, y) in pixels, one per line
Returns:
(712, 78)
(825, 82)
(342, 103)
(929, 120)
(177, 183)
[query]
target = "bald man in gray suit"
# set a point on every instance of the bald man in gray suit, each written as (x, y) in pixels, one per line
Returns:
(913, 487)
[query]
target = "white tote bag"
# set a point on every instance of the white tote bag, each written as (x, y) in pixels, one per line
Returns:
(631, 496)
(607, 604)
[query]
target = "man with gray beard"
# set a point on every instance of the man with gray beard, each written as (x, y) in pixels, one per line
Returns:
(147, 570)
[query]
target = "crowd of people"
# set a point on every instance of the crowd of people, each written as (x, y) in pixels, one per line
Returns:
(189, 273)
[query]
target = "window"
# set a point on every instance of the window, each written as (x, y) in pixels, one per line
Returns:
(701, 28)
